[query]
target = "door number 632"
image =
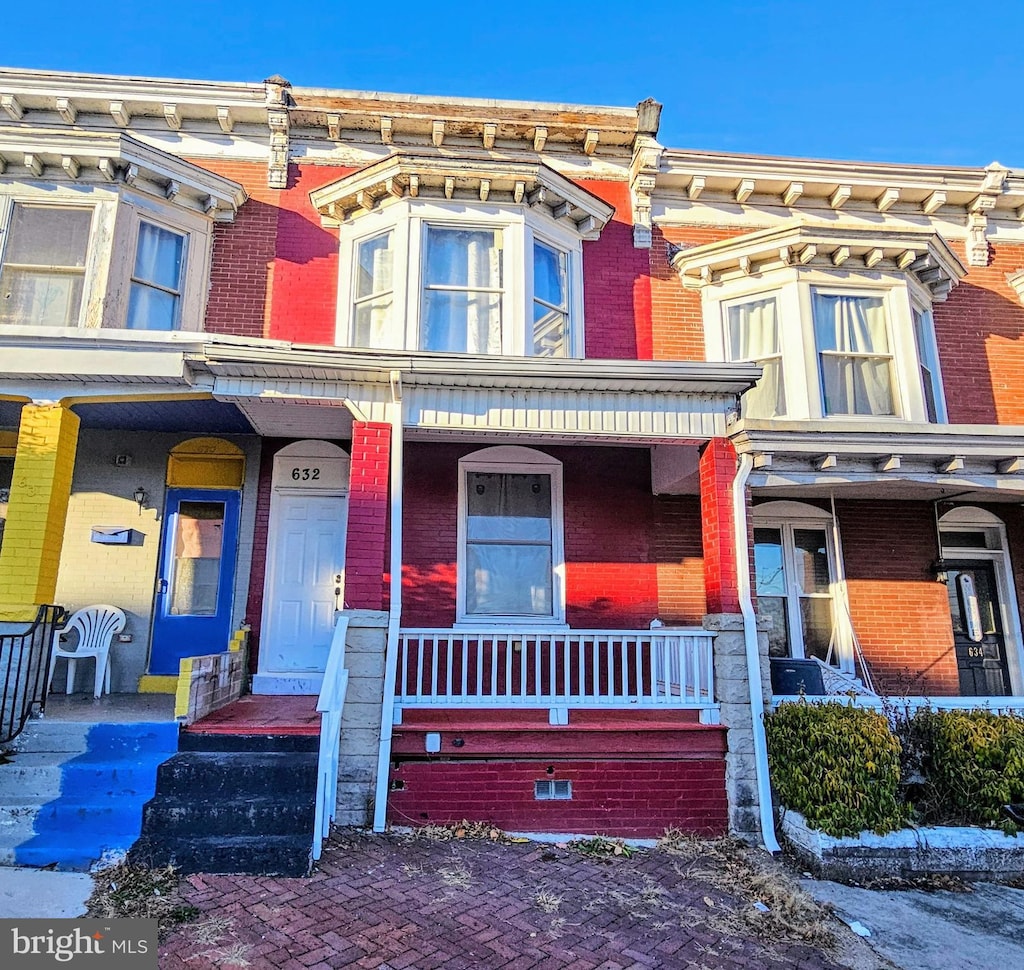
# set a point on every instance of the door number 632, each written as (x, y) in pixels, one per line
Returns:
(305, 474)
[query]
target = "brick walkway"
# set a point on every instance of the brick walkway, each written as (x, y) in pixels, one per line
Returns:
(393, 903)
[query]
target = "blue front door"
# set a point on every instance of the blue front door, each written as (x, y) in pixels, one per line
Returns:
(195, 587)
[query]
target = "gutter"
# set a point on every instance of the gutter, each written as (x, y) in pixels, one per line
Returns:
(387, 711)
(764, 788)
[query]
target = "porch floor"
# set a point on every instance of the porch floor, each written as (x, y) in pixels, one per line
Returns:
(110, 708)
(281, 714)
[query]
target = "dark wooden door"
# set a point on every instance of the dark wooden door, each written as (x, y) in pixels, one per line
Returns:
(977, 629)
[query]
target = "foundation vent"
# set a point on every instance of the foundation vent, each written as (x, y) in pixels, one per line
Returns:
(547, 790)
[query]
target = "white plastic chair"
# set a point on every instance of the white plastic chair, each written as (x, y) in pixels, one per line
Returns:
(96, 626)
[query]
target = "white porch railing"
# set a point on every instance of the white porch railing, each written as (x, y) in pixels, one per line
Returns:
(555, 668)
(331, 705)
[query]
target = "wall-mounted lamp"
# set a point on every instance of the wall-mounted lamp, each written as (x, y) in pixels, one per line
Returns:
(140, 495)
(940, 570)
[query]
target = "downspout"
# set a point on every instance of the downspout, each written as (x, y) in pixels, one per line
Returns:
(387, 711)
(764, 787)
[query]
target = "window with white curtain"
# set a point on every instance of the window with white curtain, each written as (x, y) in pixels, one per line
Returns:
(550, 301)
(510, 537)
(154, 302)
(928, 362)
(374, 287)
(462, 290)
(854, 359)
(752, 334)
(42, 274)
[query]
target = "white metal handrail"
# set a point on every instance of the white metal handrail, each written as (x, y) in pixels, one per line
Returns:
(555, 668)
(331, 705)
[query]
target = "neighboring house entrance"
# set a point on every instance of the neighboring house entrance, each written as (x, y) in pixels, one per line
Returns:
(197, 576)
(305, 566)
(977, 629)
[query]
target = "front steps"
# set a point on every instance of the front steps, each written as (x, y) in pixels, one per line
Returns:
(72, 792)
(233, 803)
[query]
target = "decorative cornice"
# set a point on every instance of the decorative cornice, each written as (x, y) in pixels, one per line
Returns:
(923, 254)
(1016, 281)
(115, 157)
(643, 174)
(476, 178)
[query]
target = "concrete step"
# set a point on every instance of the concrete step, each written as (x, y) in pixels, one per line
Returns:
(202, 741)
(266, 855)
(235, 774)
(176, 815)
(69, 736)
(48, 777)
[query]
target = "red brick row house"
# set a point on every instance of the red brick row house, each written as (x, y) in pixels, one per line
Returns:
(534, 411)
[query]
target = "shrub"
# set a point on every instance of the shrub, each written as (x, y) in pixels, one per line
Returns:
(838, 765)
(971, 764)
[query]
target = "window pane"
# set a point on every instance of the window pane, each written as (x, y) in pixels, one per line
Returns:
(158, 256)
(508, 579)
(752, 330)
(198, 544)
(857, 385)
(47, 235)
(549, 273)
(461, 322)
(811, 560)
(150, 309)
(816, 617)
(468, 258)
(967, 540)
(850, 324)
(508, 507)
(850, 335)
(36, 298)
(374, 266)
(370, 328)
(768, 563)
(549, 332)
(774, 607)
(924, 335)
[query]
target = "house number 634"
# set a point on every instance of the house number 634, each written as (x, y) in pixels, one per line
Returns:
(305, 474)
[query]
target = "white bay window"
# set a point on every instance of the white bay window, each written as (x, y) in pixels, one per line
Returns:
(752, 335)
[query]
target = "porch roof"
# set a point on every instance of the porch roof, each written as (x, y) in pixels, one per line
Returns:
(900, 461)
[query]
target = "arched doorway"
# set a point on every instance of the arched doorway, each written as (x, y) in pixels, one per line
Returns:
(305, 566)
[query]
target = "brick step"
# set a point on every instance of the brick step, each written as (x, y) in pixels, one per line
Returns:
(266, 855)
(287, 813)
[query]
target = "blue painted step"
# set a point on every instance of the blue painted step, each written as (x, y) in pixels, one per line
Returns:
(102, 793)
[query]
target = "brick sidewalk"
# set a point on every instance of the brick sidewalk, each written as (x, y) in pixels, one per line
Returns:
(393, 903)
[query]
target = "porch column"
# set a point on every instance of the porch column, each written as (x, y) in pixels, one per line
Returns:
(44, 463)
(717, 470)
(366, 539)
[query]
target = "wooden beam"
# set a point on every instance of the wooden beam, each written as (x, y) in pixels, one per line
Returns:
(841, 196)
(806, 254)
(394, 188)
(71, 166)
(490, 133)
(485, 189)
(873, 257)
(34, 164)
(414, 185)
(1010, 466)
(437, 130)
(793, 192)
(449, 186)
(841, 255)
(538, 196)
(540, 138)
(518, 192)
(745, 265)
(590, 142)
(745, 190)
(365, 200)
(763, 460)
(887, 199)
(120, 114)
(825, 462)
(906, 259)
(954, 464)
(67, 110)
(386, 130)
(563, 210)
(890, 463)
(224, 119)
(172, 189)
(107, 169)
(333, 126)
(696, 186)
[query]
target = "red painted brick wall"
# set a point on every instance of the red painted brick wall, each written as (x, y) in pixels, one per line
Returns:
(622, 798)
(366, 539)
(717, 472)
(899, 612)
(243, 254)
(979, 332)
(616, 283)
(679, 552)
(305, 273)
(611, 524)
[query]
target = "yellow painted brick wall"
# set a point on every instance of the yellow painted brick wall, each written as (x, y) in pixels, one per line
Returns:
(43, 468)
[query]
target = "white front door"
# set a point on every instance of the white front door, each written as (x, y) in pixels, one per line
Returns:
(305, 567)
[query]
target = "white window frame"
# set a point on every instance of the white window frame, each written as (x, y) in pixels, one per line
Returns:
(920, 305)
(793, 289)
(409, 219)
(110, 255)
(513, 460)
(183, 273)
(787, 516)
(726, 305)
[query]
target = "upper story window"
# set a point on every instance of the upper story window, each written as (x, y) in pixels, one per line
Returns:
(834, 339)
(486, 260)
(122, 242)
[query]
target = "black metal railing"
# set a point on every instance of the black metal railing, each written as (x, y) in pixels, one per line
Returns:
(25, 668)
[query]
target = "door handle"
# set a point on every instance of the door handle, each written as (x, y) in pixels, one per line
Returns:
(337, 592)
(161, 586)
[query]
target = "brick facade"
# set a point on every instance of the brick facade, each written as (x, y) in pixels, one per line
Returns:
(717, 472)
(367, 536)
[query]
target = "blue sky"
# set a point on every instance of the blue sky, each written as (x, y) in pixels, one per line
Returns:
(936, 83)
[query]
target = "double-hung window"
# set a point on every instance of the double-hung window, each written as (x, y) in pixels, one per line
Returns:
(510, 538)
(154, 302)
(928, 362)
(43, 270)
(752, 335)
(550, 301)
(373, 293)
(854, 358)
